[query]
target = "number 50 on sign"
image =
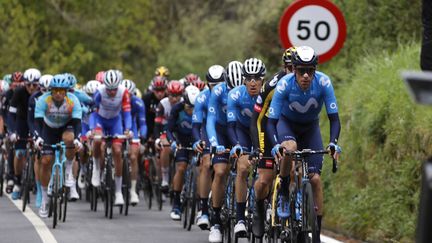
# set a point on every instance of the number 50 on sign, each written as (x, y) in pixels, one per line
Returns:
(315, 23)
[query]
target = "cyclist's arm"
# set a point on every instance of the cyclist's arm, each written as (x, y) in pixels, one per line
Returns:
(13, 111)
(197, 118)
(39, 113)
(332, 110)
(158, 126)
(211, 120)
(232, 111)
(275, 111)
(172, 123)
(142, 118)
(76, 116)
(126, 108)
(254, 128)
(30, 115)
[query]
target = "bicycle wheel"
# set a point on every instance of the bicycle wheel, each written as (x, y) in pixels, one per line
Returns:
(27, 183)
(65, 201)
(2, 170)
(192, 199)
(126, 185)
(309, 220)
(185, 200)
(55, 197)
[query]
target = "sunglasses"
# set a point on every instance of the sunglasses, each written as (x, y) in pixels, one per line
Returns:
(32, 84)
(58, 91)
(175, 95)
(303, 70)
(112, 90)
(253, 78)
(159, 90)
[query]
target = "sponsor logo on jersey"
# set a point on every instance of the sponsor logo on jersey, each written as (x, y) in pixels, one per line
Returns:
(186, 124)
(212, 109)
(201, 98)
(333, 105)
(296, 106)
(194, 118)
(282, 86)
(325, 82)
(259, 100)
(235, 95)
(257, 108)
(218, 90)
(230, 115)
(274, 81)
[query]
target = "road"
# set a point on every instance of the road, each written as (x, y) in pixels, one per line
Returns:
(83, 225)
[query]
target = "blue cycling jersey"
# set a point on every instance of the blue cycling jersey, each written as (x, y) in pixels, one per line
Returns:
(240, 105)
(216, 112)
(82, 97)
(200, 114)
(303, 106)
(138, 117)
(57, 116)
(179, 126)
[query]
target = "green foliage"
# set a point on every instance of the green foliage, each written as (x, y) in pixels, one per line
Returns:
(385, 137)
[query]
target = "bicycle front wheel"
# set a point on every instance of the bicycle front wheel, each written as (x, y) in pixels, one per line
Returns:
(309, 225)
(55, 196)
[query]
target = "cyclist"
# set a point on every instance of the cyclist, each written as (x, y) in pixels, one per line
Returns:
(17, 81)
(152, 99)
(217, 121)
(260, 140)
(190, 79)
(8, 78)
(18, 127)
(90, 89)
(215, 75)
(179, 133)
(100, 76)
(57, 118)
(44, 83)
(240, 105)
(138, 122)
(201, 85)
(162, 71)
(305, 91)
(110, 100)
(175, 91)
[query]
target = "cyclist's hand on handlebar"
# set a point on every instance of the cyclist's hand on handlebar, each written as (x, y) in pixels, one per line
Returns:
(197, 146)
(276, 152)
(13, 137)
(220, 149)
(78, 145)
(335, 150)
(236, 151)
(39, 143)
(174, 146)
(128, 133)
(255, 156)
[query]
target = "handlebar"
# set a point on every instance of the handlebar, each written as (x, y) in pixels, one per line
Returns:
(307, 152)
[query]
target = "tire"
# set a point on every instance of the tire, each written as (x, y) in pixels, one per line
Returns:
(192, 199)
(126, 185)
(65, 201)
(56, 185)
(2, 170)
(27, 184)
(309, 225)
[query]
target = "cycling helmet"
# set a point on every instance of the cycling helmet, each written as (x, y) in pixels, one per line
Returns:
(138, 93)
(199, 84)
(162, 71)
(60, 81)
(129, 85)
(111, 79)
(92, 86)
(159, 83)
(4, 86)
(8, 78)
(305, 55)
(100, 76)
(254, 67)
(216, 74)
(32, 75)
(235, 77)
(175, 87)
(45, 80)
(72, 79)
(190, 95)
(190, 79)
(287, 56)
(17, 76)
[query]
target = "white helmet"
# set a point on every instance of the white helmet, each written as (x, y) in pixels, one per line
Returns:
(119, 73)
(190, 94)
(129, 85)
(254, 67)
(234, 70)
(4, 86)
(32, 75)
(112, 79)
(92, 86)
(216, 74)
(45, 81)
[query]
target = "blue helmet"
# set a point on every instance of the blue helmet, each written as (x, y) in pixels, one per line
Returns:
(60, 81)
(72, 79)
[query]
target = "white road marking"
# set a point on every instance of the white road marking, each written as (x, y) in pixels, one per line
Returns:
(40, 227)
(327, 239)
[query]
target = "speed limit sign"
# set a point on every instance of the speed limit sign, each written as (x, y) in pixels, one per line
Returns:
(315, 23)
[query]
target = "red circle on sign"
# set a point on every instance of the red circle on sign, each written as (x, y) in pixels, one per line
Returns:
(289, 12)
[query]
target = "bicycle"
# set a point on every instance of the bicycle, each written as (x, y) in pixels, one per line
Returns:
(56, 187)
(126, 181)
(150, 183)
(28, 176)
(2, 168)
(107, 185)
(189, 192)
(302, 222)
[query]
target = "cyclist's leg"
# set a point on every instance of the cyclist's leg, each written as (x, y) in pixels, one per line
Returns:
(164, 161)
(286, 133)
(115, 127)
(312, 139)
(97, 148)
(20, 156)
(70, 181)
(134, 150)
(204, 181)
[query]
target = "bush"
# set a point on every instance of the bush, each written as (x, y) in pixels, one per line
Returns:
(385, 136)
